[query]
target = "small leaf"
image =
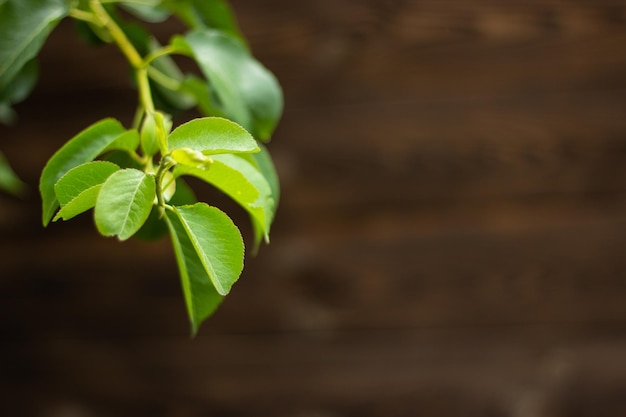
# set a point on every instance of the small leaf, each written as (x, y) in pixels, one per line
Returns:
(124, 203)
(9, 182)
(24, 27)
(248, 92)
(212, 135)
(215, 239)
(201, 297)
(78, 189)
(242, 181)
(84, 147)
(191, 158)
(7, 115)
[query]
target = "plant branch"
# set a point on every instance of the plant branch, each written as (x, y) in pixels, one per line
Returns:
(165, 164)
(145, 95)
(127, 48)
(161, 52)
(163, 79)
(84, 16)
(142, 2)
(117, 33)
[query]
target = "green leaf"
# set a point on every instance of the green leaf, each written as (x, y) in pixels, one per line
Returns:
(242, 181)
(24, 27)
(265, 164)
(206, 14)
(202, 94)
(7, 115)
(84, 147)
(215, 239)
(248, 92)
(9, 182)
(150, 12)
(19, 88)
(122, 158)
(22, 84)
(212, 135)
(124, 203)
(78, 189)
(201, 297)
(127, 141)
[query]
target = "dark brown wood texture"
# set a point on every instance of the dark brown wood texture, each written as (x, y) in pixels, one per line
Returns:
(449, 242)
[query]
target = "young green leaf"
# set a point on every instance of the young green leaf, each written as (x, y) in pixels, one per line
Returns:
(216, 241)
(248, 92)
(149, 143)
(242, 181)
(191, 158)
(212, 135)
(78, 189)
(24, 26)
(154, 132)
(124, 203)
(84, 147)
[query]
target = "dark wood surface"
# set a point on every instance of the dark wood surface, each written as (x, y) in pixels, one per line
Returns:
(450, 240)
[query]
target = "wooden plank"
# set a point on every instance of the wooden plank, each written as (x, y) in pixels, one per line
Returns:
(449, 240)
(419, 373)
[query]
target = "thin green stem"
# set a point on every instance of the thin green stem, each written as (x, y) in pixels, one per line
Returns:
(145, 95)
(117, 34)
(84, 16)
(127, 48)
(163, 79)
(138, 117)
(142, 2)
(154, 55)
(158, 75)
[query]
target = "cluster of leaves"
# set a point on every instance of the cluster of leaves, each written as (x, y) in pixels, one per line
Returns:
(134, 177)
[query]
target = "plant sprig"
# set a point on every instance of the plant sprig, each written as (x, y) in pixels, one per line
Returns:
(134, 178)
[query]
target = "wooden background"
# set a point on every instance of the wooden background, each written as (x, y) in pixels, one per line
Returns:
(450, 240)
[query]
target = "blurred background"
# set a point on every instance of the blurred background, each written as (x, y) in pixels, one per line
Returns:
(449, 241)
